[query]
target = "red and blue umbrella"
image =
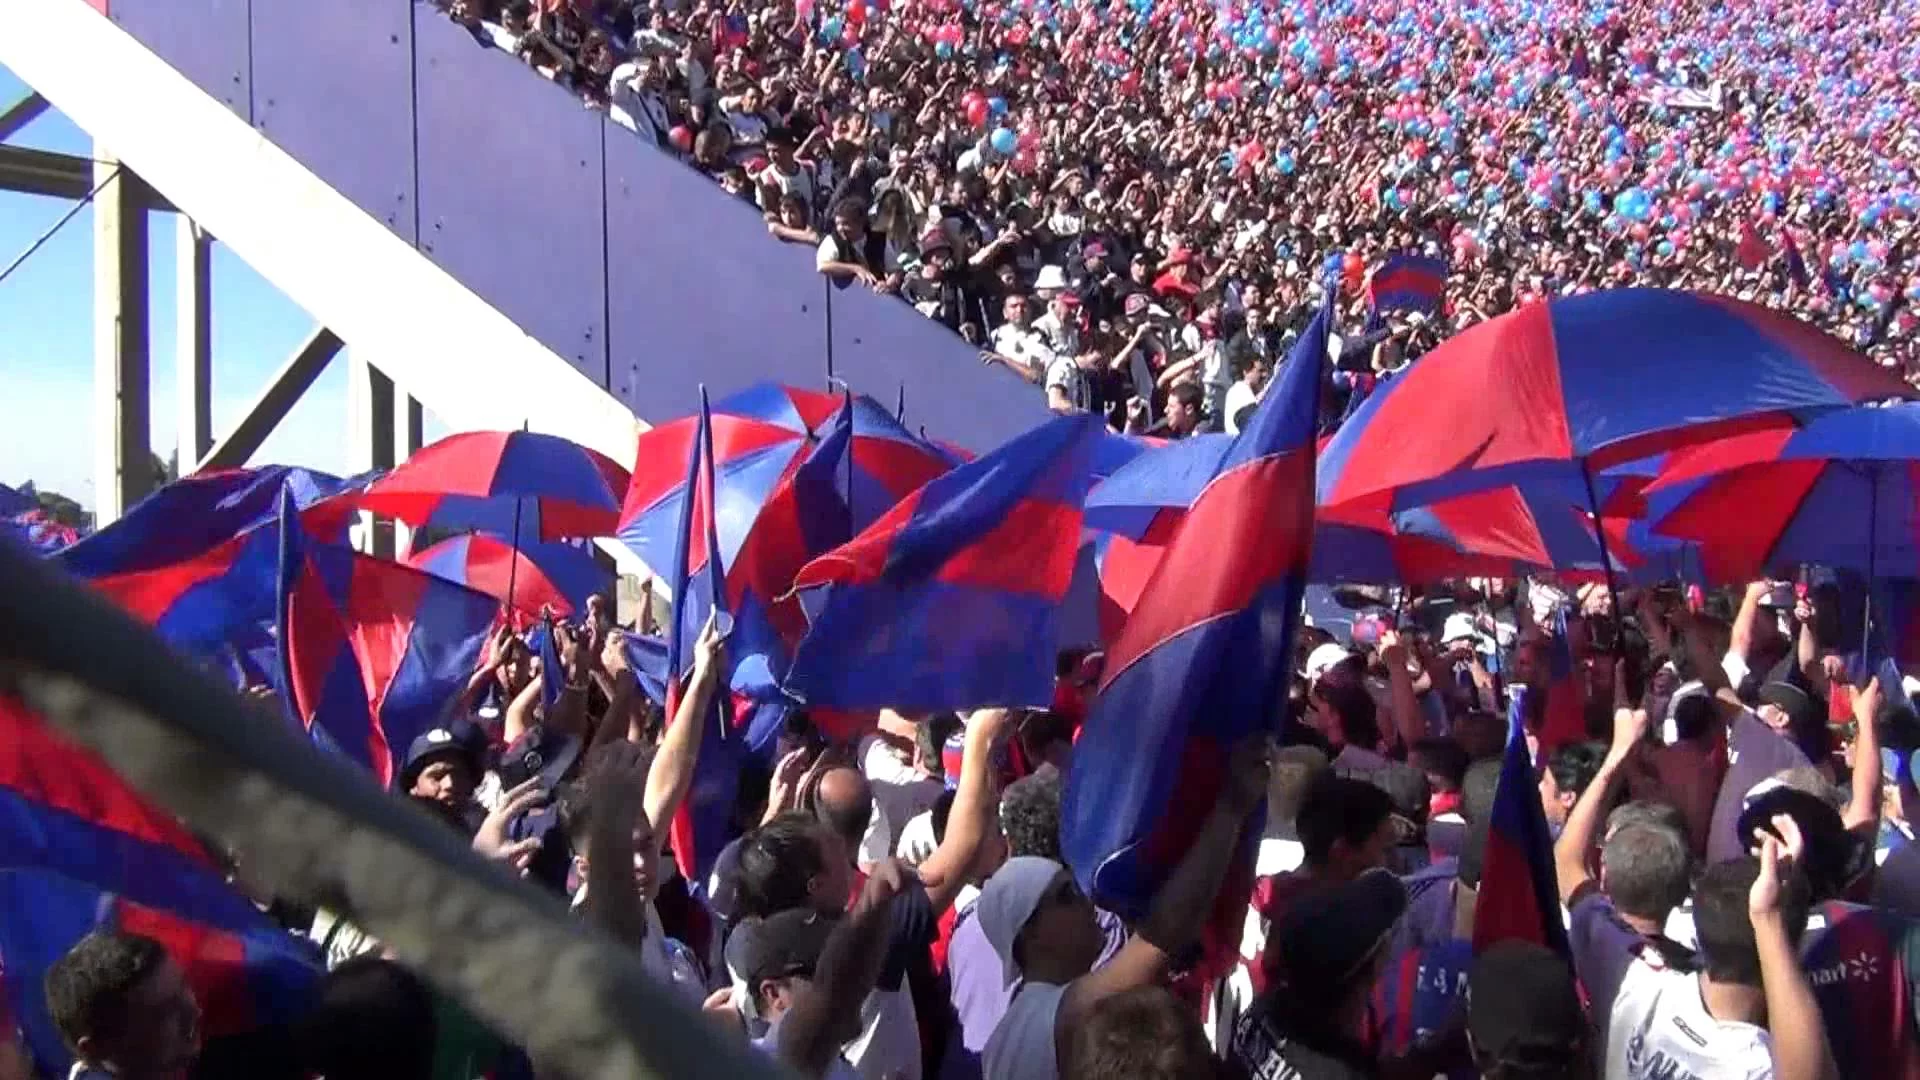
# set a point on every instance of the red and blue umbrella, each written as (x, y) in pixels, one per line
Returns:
(1502, 531)
(1843, 491)
(760, 436)
(528, 578)
(504, 482)
(1572, 386)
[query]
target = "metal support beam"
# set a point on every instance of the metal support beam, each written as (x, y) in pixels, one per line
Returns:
(23, 112)
(273, 404)
(60, 176)
(409, 431)
(123, 445)
(411, 434)
(193, 350)
(370, 395)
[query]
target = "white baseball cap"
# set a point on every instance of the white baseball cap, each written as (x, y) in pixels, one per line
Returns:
(1459, 626)
(1326, 656)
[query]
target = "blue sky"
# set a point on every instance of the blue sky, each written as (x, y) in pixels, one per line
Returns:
(46, 340)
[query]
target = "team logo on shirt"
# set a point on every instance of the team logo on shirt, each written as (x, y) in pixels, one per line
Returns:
(1863, 966)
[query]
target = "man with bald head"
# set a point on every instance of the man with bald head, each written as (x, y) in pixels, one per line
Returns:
(803, 859)
(844, 803)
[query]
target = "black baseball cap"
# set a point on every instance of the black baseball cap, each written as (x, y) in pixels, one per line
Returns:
(1328, 937)
(782, 945)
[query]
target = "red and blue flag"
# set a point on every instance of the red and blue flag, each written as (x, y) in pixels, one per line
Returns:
(951, 600)
(1408, 281)
(372, 652)
(192, 560)
(1563, 720)
(1203, 662)
(1519, 894)
(701, 826)
(80, 850)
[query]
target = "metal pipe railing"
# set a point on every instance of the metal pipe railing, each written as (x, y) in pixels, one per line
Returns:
(315, 829)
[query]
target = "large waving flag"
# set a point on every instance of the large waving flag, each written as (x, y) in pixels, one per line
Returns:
(371, 652)
(195, 514)
(811, 511)
(1203, 661)
(699, 830)
(1408, 282)
(1519, 895)
(80, 850)
(1564, 720)
(951, 599)
(193, 560)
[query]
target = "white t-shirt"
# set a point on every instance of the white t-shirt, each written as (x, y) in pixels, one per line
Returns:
(1240, 397)
(635, 107)
(1660, 1030)
(899, 789)
(1022, 1047)
(1022, 344)
(749, 130)
(1064, 372)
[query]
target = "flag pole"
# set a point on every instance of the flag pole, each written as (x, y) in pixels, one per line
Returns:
(513, 561)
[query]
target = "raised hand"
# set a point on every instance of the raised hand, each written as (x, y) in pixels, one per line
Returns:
(491, 841)
(613, 655)
(1779, 857)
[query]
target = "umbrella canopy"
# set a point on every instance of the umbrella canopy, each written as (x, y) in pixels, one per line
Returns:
(1844, 491)
(495, 480)
(536, 576)
(760, 435)
(1574, 385)
(1498, 532)
(889, 462)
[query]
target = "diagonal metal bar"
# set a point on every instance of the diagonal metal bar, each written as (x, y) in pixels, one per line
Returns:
(282, 393)
(20, 114)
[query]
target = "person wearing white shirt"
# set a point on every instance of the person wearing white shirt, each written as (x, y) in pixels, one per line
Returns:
(1245, 393)
(1749, 1010)
(635, 101)
(1017, 344)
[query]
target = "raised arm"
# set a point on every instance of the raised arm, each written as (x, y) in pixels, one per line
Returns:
(1740, 643)
(672, 773)
(1408, 722)
(1864, 806)
(1800, 1050)
(520, 712)
(826, 1013)
(1707, 668)
(617, 678)
(1583, 823)
(499, 648)
(1174, 921)
(974, 812)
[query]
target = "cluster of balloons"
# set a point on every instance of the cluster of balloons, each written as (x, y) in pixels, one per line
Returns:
(979, 108)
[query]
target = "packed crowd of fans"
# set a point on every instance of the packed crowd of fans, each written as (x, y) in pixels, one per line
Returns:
(1737, 873)
(1113, 199)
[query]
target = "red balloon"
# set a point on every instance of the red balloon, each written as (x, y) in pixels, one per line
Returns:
(1352, 269)
(857, 12)
(681, 138)
(976, 112)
